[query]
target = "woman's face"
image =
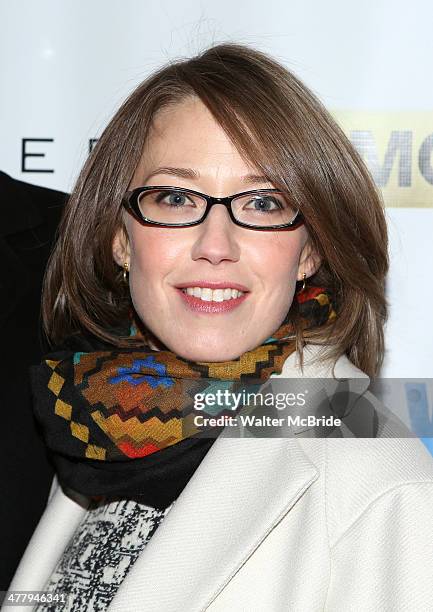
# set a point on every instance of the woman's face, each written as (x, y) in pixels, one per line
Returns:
(187, 148)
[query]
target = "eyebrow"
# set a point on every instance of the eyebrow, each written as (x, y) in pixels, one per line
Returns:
(189, 173)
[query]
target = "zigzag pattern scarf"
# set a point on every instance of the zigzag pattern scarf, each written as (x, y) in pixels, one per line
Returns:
(115, 420)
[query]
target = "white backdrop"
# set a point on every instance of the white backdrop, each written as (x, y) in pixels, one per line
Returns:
(65, 67)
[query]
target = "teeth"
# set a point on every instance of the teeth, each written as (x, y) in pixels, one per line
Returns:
(205, 294)
(216, 295)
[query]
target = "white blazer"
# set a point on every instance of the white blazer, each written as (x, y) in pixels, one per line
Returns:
(278, 525)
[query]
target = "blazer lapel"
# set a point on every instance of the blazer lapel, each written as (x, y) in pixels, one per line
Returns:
(242, 488)
(49, 540)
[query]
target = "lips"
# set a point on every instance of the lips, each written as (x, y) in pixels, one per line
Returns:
(199, 306)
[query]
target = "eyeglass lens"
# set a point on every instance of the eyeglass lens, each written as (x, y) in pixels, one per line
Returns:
(257, 209)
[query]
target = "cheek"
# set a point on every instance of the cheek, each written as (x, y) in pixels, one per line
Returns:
(153, 254)
(276, 259)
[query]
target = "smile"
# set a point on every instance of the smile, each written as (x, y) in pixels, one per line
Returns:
(211, 301)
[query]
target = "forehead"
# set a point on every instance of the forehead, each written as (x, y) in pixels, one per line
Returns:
(186, 134)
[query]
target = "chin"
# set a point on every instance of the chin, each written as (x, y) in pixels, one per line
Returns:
(211, 354)
(207, 357)
(208, 347)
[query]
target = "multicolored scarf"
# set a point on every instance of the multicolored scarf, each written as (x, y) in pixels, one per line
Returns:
(115, 420)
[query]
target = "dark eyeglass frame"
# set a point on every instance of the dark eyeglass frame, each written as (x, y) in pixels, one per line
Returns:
(131, 203)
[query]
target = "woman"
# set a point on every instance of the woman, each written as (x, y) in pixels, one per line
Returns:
(162, 286)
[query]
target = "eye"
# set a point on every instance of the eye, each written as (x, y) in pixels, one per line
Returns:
(265, 203)
(174, 199)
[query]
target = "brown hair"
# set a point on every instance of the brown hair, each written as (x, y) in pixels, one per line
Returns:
(284, 131)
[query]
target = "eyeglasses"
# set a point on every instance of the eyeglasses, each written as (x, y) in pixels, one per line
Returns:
(261, 209)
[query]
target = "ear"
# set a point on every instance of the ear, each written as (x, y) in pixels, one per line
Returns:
(309, 261)
(121, 252)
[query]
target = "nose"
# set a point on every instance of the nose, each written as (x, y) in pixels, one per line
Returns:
(216, 237)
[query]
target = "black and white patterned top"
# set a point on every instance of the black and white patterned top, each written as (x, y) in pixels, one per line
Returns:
(100, 554)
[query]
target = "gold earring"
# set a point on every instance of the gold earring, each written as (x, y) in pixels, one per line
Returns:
(125, 272)
(304, 276)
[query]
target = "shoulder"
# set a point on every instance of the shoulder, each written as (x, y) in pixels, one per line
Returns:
(379, 515)
(358, 472)
(35, 205)
(357, 476)
(42, 196)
